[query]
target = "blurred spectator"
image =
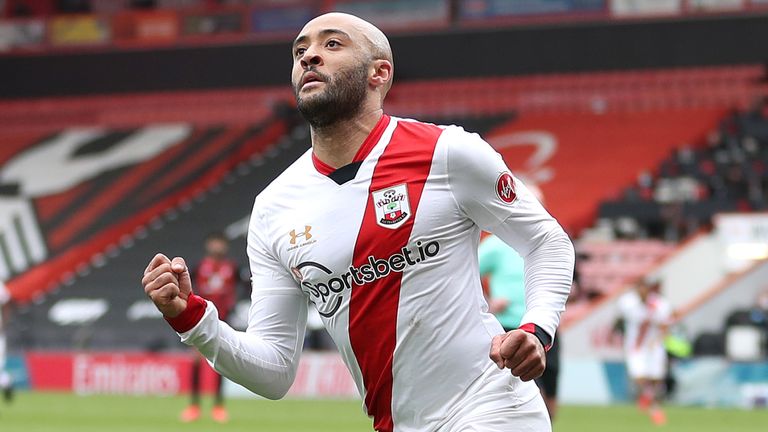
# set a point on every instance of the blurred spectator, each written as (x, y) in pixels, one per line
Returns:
(762, 300)
(646, 316)
(216, 279)
(759, 313)
(505, 270)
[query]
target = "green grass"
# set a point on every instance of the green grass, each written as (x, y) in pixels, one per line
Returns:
(625, 418)
(44, 412)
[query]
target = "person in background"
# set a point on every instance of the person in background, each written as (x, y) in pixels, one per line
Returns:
(504, 269)
(762, 301)
(646, 316)
(6, 384)
(505, 292)
(216, 277)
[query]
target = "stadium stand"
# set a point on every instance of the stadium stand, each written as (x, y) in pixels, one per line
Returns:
(222, 137)
(671, 202)
(91, 304)
(131, 127)
(606, 266)
(725, 173)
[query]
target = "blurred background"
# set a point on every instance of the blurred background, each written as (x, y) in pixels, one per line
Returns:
(129, 127)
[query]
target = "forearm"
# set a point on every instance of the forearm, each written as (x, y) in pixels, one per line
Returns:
(263, 359)
(548, 278)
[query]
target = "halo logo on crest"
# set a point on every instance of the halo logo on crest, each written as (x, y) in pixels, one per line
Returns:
(505, 188)
(392, 206)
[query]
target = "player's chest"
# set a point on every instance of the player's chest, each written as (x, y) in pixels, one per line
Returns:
(331, 241)
(326, 224)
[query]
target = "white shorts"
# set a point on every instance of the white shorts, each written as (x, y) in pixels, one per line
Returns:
(499, 402)
(647, 363)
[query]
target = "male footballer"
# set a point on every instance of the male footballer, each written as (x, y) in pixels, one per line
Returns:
(378, 226)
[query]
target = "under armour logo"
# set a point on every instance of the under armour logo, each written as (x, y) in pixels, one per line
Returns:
(304, 234)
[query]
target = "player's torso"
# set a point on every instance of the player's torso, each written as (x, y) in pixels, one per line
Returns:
(216, 276)
(336, 238)
(389, 261)
(642, 324)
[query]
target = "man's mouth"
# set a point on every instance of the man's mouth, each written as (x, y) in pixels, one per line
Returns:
(309, 78)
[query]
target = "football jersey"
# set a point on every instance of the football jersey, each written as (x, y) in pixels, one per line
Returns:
(216, 280)
(386, 250)
(644, 321)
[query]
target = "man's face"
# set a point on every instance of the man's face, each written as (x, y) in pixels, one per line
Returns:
(216, 247)
(330, 72)
(644, 290)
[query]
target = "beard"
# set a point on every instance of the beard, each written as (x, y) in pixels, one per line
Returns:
(341, 99)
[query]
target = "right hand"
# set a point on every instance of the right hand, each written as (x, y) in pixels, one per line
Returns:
(521, 352)
(168, 284)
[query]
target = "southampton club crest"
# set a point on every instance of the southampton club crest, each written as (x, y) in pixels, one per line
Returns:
(392, 207)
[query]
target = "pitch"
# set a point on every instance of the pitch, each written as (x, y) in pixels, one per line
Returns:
(51, 412)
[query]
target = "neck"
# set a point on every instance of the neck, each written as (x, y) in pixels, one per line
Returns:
(337, 144)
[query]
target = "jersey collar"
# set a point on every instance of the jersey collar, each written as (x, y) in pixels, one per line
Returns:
(363, 152)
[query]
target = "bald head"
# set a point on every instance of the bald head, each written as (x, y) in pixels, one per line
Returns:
(376, 41)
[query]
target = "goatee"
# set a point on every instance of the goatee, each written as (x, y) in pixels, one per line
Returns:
(341, 99)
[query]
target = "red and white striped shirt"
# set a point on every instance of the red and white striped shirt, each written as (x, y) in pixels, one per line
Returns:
(386, 250)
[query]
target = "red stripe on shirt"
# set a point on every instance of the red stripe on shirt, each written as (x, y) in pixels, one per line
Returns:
(373, 306)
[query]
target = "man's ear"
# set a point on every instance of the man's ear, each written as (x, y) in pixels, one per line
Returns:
(382, 73)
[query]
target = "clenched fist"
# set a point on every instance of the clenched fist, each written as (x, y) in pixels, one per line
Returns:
(521, 352)
(168, 284)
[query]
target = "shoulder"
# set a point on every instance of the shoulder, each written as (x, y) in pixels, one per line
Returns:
(466, 147)
(446, 132)
(458, 148)
(291, 178)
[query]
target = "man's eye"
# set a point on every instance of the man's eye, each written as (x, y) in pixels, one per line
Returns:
(332, 44)
(300, 51)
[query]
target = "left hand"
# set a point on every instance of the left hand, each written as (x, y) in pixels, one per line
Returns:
(521, 352)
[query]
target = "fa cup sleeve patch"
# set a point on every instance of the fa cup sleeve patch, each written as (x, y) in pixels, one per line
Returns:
(505, 188)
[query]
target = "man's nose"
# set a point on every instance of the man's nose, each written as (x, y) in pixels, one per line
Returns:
(310, 58)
